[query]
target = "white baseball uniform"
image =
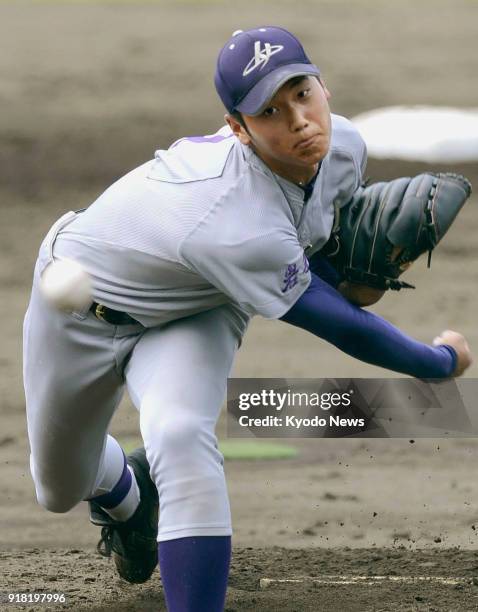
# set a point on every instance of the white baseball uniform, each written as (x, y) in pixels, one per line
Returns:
(191, 245)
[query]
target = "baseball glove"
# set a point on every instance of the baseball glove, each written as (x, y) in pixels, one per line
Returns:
(386, 226)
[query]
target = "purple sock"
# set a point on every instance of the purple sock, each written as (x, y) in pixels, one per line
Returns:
(194, 572)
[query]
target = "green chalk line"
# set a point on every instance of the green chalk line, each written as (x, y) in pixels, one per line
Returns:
(236, 450)
(255, 449)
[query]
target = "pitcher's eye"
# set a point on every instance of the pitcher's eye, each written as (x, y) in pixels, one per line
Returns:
(268, 112)
(303, 93)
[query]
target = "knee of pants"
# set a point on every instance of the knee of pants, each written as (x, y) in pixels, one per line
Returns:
(55, 501)
(52, 496)
(188, 471)
(183, 440)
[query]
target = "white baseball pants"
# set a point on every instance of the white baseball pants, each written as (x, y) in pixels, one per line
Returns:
(76, 368)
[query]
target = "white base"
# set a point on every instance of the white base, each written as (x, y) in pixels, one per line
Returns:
(420, 133)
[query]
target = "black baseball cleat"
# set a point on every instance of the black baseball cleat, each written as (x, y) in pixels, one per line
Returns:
(132, 542)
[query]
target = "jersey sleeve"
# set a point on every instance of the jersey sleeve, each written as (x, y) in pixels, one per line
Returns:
(358, 149)
(348, 140)
(264, 273)
(362, 157)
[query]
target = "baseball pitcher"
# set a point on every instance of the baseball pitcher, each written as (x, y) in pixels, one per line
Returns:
(182, 252)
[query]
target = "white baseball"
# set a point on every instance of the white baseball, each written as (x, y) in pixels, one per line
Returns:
(66, 285)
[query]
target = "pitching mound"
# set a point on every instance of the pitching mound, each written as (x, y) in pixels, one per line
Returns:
(264, 579)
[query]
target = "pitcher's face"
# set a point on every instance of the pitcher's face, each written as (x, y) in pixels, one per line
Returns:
(292, 134)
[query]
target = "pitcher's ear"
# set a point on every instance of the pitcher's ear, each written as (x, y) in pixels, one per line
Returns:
(324, 87)
(237, 129)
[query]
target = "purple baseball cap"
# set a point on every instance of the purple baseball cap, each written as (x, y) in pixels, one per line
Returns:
(254, 64)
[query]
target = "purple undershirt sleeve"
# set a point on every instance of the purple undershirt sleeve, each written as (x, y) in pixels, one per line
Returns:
(323, 311)
(320, 265)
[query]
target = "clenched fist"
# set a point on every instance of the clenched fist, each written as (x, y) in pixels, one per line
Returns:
(459, 343)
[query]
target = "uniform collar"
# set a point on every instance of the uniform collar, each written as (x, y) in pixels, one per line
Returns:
(291, 187)
(308, 188)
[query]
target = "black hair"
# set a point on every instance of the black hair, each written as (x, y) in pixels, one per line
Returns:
(239, 118)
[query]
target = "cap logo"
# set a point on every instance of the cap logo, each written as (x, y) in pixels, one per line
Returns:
(261, 56)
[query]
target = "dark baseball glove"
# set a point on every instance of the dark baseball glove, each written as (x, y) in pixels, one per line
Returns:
(386, 226)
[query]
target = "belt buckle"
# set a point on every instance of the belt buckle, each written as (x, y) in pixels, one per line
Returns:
(100, 312)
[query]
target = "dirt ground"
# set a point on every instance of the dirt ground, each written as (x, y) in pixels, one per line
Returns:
(88, 91)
